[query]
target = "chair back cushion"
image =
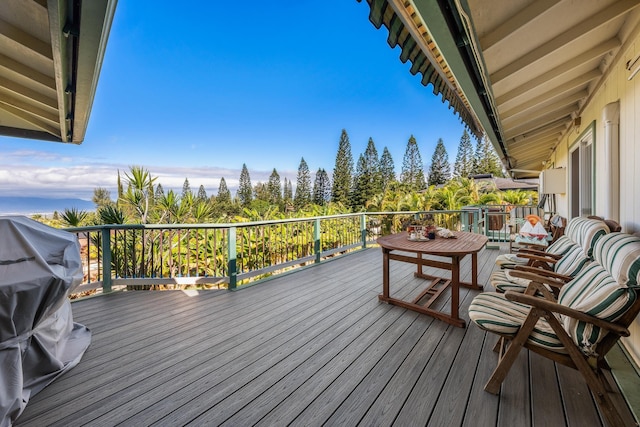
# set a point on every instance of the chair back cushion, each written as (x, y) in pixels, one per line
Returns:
(572, 261)
(585, 232)
(561, 246)
(619, 254)
(596, 292)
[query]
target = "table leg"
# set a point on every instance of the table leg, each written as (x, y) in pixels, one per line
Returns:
(385, 273)
(474, 269)
(455, 287)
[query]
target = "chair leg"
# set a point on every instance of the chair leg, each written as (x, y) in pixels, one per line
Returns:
(499, 347)
(595, 379)
(507, 359)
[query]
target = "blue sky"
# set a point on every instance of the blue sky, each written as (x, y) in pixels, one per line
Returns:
(194, 92)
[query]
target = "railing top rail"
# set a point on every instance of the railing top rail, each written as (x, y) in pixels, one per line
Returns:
(246, 224)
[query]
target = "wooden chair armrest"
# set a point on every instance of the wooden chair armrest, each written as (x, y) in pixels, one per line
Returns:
(537, 278)
(554, 307)
(539, 258)
(543, 272)
(539, 253)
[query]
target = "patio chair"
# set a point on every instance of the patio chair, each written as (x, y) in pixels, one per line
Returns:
(518, 217)
(563, 269)
(580, 231)
(590, 315)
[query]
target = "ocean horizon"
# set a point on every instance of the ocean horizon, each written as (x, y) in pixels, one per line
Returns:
(29, 206)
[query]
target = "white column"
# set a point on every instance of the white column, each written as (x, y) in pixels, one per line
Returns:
(611, 120)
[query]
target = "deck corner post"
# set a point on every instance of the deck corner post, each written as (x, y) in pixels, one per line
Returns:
(232, 255)
(317, 247)
(363, 230)
(106, 259)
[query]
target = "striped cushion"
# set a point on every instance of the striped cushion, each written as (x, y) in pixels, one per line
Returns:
(510, 259)
(502, 281)
(595, 292)
(559, 247)
(572, 262)
(494, 313)
(585, 232)
(620, 254)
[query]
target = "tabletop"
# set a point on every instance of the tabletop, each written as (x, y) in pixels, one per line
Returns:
(463, 243)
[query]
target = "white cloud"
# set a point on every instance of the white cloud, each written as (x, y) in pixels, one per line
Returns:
(29, 174)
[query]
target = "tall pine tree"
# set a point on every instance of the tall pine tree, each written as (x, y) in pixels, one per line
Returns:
(463, 167)
(202, 194)
(275, 190)
(245, 190)
(303, 186)
(372, 170)
(287, 195)
(224, 195)
(486, 160)
(387, 169)
(368, 178)
(440, 169)
(412, 175)
(343, 171)
(321, 188)
(359, 187)
(186, 188)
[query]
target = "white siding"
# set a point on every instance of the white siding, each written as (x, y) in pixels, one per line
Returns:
(617, 87)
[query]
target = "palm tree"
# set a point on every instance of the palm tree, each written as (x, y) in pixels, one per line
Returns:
(517, 197)
(139, 191)
(73, 217)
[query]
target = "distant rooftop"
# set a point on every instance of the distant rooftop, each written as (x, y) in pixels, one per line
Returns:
(508, 183)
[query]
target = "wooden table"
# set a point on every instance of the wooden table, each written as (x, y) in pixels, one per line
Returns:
(455, 249)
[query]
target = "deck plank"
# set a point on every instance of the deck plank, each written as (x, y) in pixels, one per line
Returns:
(310, 347)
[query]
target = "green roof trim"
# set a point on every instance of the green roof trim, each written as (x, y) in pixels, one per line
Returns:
(381, 13)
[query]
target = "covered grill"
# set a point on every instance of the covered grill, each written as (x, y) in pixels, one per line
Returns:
(39, 267)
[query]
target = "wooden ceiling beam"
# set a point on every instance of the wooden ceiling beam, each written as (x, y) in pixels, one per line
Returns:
(515, 22)
(550, 135)
(560, 117)
(571, 64)
(48, 116)
(16, 35)
(533, 110)
(33, 121)
(553, 91)
(27, 72)
(590, 24)
(9, 86)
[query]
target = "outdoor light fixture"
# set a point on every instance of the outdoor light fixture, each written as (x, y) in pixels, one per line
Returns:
(633, 65)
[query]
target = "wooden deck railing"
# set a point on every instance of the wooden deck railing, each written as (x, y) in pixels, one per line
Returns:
(234, 254)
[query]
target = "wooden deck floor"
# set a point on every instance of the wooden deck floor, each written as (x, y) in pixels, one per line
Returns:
(309, 348)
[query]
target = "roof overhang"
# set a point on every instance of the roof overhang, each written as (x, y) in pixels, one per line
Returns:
(526, 69)
(51, 54)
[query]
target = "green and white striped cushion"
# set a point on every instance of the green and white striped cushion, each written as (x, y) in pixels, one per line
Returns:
(492, 312)
(586, 232)
(502, 281)
(593, 291)
(559, 247)
(619, 253)
(570, 264)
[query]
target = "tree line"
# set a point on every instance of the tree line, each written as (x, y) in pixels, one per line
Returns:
(370, 183)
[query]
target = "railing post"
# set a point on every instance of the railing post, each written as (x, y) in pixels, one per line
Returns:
(232, 254)
(317, 249)
(106, 260)
(363, 230)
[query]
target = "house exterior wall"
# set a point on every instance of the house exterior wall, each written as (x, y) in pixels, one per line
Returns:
(616, 87)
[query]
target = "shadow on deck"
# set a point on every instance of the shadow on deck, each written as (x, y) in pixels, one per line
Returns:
(308, 348)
